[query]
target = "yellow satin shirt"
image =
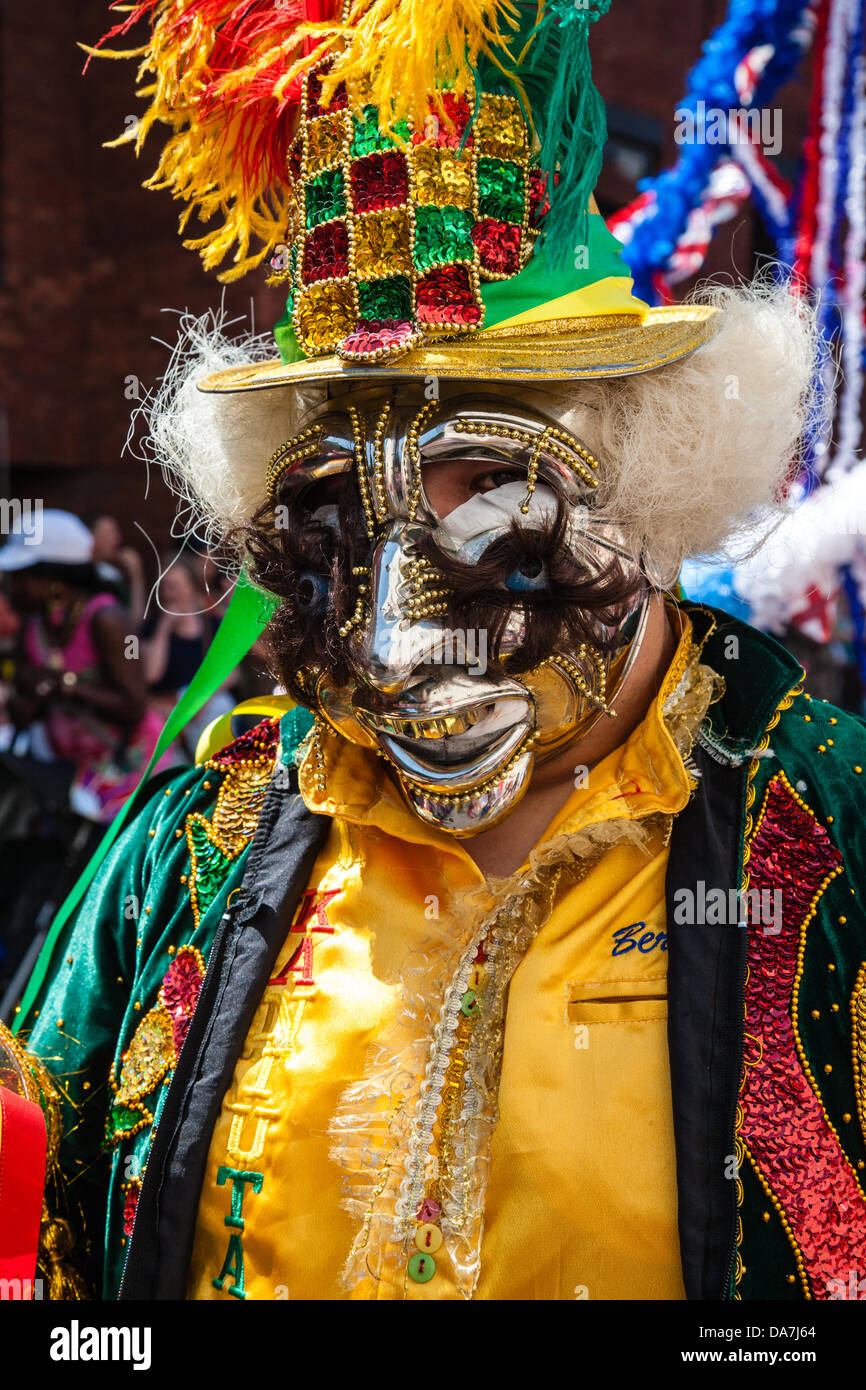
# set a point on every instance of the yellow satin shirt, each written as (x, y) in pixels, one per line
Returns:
(580, 1197)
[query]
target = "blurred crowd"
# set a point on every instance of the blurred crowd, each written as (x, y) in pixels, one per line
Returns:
(94, 654)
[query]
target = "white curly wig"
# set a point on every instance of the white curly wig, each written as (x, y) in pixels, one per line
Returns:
(694, 456)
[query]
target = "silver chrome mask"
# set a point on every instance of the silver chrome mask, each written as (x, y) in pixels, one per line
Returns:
(462, 740)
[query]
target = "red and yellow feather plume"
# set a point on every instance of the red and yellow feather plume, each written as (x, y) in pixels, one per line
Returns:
(214, 72)
(225, 77)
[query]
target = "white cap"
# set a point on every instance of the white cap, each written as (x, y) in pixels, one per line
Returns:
(43, 536)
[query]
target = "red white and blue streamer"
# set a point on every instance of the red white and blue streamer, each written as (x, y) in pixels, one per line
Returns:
(819, 228)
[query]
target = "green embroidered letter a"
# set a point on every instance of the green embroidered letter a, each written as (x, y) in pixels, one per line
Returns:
(233, 1264)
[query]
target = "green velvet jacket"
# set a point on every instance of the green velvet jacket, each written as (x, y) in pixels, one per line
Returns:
(150, 992)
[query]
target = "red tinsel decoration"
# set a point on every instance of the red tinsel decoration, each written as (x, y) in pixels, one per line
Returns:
(808, 211)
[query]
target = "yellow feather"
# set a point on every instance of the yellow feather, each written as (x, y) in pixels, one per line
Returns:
(397, 53)
(112, 52)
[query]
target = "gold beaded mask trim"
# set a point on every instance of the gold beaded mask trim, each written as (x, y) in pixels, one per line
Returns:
(461, 739)
(390, 446)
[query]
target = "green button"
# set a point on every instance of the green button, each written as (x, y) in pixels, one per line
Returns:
(422, 1268)
(467, 1003)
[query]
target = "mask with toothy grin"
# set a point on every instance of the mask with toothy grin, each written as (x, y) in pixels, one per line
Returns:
(453, 708)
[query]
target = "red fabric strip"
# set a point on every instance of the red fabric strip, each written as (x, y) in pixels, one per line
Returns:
(22, 1178)
(784, 1125)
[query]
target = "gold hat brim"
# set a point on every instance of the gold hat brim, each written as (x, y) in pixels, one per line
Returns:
(603, 345)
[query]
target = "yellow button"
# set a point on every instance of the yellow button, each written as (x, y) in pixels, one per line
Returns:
(428, 1239)
(477, 977)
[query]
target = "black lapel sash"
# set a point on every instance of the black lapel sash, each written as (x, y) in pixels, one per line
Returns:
(284, 849)
(706, 983)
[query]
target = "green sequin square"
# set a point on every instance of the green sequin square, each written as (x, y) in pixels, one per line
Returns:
(442, 235)
(367, 138)
(324, 197)
(500, 190)
(385, 299)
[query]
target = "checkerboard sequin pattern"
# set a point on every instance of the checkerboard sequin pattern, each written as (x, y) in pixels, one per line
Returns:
(394, 233)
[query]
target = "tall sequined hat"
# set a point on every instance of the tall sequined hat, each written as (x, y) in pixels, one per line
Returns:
(419, 176)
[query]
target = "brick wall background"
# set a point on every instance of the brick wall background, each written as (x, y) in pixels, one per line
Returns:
(89, 260)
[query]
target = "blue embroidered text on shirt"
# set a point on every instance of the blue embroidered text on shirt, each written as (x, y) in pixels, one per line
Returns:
(627, 939)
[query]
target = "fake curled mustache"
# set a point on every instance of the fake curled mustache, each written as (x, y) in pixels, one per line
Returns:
(579, 601)
(287, 550)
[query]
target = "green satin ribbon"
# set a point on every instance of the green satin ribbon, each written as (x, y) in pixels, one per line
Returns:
(284, 335)
(246, 618)
(541, 280)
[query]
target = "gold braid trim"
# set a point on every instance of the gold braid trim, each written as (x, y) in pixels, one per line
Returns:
(858, 1044)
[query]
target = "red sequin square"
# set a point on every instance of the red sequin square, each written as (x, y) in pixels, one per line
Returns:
(249, 747)
(130, 1203)
(379, 181)
(445, 298)
(539, 203)
(314, 98)
(446, 130)
(498, 246)
(326, 253)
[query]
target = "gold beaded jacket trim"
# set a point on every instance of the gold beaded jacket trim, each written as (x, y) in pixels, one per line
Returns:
(214, 844)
